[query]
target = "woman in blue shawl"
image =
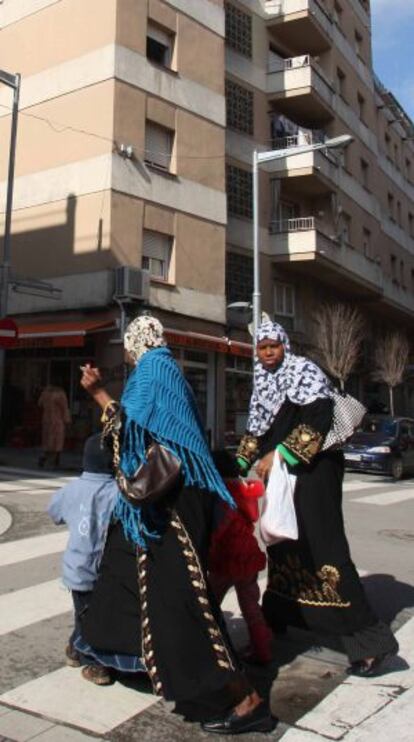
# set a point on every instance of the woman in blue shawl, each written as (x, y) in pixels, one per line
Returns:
(152, 598)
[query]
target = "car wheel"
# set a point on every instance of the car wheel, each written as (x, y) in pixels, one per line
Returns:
(397, 468)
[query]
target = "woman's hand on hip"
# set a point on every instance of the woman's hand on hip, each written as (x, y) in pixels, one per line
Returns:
(264, 465)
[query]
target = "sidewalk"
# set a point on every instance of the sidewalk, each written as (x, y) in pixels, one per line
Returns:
(27, 458)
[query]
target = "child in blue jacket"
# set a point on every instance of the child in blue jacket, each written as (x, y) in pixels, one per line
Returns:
(85, 505)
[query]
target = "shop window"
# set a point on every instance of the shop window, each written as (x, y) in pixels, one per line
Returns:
(238, 30)
(239, 107)
(160, 45)
(239, 184)
(156, 254)
(158, 145)
(239, 277)
(284, 304)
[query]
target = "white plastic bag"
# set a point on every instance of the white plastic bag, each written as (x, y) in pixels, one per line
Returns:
(278, 517)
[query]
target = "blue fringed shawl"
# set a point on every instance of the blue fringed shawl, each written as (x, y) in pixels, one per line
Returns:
(158, 401)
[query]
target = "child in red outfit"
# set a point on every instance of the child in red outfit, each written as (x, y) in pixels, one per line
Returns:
(235, 558)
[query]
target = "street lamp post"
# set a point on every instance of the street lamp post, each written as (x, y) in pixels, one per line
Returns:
(260, 158)
(13, 82)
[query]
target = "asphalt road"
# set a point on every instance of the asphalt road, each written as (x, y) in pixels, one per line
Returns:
(35, 617)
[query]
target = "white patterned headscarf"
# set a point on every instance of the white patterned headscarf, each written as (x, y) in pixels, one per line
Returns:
(142, 334)
(297, 379)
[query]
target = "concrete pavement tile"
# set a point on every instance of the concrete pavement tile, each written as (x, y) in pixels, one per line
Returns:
(22, 727)
(346, 708)
(4, 709)
(58, 733)
(394, 722)
(299, 735)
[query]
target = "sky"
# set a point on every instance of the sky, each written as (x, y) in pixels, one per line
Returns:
(392, 36)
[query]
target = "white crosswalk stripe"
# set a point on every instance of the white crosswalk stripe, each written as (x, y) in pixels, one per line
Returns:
(12, 552)
(386, 498)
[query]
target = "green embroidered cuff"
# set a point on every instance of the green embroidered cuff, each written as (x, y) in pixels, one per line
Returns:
(287, 455)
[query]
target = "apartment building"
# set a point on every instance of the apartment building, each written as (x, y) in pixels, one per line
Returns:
(136, 117)
(333, 226)
(120, 197)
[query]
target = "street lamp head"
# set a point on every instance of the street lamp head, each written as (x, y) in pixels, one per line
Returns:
(239, 305)
(344, 140)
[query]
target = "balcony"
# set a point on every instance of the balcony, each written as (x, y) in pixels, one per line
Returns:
(303, 246)
(301, 90)
(297, 22)
(308, 174)
(398, 297)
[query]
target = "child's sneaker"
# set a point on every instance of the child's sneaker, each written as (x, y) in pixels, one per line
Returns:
(72, 657)
(97, 674)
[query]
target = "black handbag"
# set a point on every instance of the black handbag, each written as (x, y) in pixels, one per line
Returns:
(154, 479)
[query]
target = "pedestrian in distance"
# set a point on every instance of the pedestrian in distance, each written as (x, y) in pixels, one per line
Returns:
(236, 559)
(312, 580)
(55, 416)
(152, 598)
(85, 505)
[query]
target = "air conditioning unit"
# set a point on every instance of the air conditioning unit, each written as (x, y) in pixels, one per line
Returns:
(132, 284)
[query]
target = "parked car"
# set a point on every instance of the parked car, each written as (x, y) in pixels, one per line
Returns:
(383, 444)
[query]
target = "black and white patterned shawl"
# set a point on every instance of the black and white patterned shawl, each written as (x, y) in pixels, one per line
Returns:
(297, 378)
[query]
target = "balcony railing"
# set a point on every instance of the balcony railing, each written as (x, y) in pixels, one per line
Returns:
(299, 139)
(300, 224)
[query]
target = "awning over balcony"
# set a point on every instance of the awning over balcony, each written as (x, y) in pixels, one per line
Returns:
(71, 334)
(208, 342)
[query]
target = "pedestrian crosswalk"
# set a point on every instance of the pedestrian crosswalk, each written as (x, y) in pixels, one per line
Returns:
(41, 606)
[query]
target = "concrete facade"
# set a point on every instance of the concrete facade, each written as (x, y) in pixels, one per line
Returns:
(135, 119)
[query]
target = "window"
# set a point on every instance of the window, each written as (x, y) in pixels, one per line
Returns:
(408, 169)
(284, 304)
(341, 83)
(346, 228)
(412, 279)
(338, 15)
(393, 264)
(364, 173)
(158, 145)
(402, 273)
(367, 243)
(156, 253)
(391, 207)
(387, 140)
(361, 106)
(239, 103)
(238, 30)
(159, 45)
(239, 191)
(239, 277)
(399, 213)
(358, 43)
(411, 224)
(396, 156)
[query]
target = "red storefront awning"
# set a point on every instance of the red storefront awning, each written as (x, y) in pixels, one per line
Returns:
(208, 342)
(60, 334)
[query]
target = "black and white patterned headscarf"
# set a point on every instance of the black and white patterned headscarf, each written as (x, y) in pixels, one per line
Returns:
(142, 334)
(297, 379)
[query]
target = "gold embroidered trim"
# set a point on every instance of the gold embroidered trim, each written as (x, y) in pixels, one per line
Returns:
(248, 449)
(304, 442)
(223, 656)
(292, 582)
(146, 636)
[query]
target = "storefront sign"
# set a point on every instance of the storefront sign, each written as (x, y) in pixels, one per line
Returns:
(9, 333)
(207, 342)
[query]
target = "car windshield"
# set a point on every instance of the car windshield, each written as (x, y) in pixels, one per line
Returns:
(370, 425)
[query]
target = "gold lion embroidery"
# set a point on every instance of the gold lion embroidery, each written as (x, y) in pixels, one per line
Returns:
(304, 442)
(291, 581)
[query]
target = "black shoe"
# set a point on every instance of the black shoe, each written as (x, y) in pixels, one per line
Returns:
(258, 720)
(362, 670)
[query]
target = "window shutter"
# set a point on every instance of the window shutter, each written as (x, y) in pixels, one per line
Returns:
(158, 145)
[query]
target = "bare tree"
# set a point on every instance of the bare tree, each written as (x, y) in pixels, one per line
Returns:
(391, 359)
(340, 330)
